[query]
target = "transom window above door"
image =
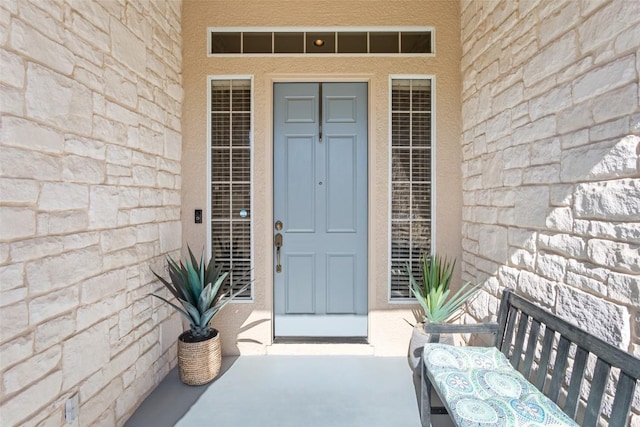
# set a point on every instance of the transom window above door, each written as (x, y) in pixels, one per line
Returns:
(384, 41)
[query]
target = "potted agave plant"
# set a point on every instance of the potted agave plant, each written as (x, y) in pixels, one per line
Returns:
(198, 287)
(437, 302)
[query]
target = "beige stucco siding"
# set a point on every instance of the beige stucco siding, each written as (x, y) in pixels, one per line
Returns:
(247, 327)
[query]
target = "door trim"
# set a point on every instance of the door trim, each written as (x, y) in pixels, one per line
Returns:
(269, 82)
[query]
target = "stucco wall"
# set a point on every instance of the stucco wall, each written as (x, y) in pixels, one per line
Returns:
(91, 101)
(551, 144)
(247, 328)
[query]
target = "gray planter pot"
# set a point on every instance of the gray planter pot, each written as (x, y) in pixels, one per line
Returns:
(418, 339)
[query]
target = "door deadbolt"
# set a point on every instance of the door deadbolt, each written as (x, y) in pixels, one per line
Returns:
(278, 225)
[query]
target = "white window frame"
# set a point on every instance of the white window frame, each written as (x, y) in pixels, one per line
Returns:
(430, 29)
(393, 77)
(210, 79)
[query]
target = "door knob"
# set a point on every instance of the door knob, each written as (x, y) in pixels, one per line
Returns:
(278, 243)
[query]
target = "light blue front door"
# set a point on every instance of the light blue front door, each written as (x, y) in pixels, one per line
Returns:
(320, 199)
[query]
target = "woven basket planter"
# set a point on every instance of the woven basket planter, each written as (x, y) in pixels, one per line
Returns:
(199, 362)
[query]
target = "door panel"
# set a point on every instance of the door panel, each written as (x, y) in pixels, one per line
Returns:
(300, 160)
(320, 195)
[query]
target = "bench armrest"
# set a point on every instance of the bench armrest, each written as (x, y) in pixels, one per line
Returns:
(473, 328)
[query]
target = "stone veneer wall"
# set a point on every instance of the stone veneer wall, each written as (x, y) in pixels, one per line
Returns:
(91, 98)
(551, 187)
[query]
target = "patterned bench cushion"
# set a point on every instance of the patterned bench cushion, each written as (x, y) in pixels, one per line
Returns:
(482, 389)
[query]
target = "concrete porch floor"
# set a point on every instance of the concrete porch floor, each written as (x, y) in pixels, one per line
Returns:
(283, 391)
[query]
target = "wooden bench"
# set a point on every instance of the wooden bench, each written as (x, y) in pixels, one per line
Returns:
(480, 385)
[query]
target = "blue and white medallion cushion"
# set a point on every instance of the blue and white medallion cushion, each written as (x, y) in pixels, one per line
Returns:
(482, 389)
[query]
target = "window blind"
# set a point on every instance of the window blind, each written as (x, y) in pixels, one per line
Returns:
(231, 179)
(411, 185)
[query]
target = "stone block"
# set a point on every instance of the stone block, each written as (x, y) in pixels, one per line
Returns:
(94, 13)
(170, 236)
(99, 403)
(120, 88)
(119, 155)
(151, 141)
(627, 40)
(605, 320)
(13, 296)
(18, 163)
(33, 44)
(598, 28)
(560, 219)
(83, 170)
(545, 152)
(87, 31)
(122, 116)
(617, 200)
(116, 239)
(12, 70)
(62, 222)
(150, 197)
(609, 130)
(492, 167)
(17, 223)
(493, 243)
(24, 191)
(12, 100)
(14, 319)
(556, 23)
(105, 309)
(551, 266)
(563, 244)
(102, 286)
(23, 406)
(586, 284)
(20, 376)
(85, 353)
(551, 102)
(85, 147)
(551, 59)
(624, 231)
(580, 116)
(532, 206)
(544, 174)
(537, 288)
(615, 103)
(11, 276)
(104, 203)
(618, 256)
(624, 288)
(535, 131)
(173, 145)
(52, 304)
(127, 48)
(516, 157)
(59, 271)
(58, 100)
(603, 79)
(63, 196)
(522, 258)
(54, 331)
(499, 126)
(142, 215)
(17, 349)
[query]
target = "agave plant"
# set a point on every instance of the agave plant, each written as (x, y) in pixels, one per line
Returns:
(433, 292)
(198, 288)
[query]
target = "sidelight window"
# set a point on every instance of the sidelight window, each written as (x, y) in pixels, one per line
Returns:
(230, 120)
(411, 179)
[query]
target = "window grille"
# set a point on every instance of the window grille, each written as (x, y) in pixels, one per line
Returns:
(296, 41)
(231, 179)
(411, 185)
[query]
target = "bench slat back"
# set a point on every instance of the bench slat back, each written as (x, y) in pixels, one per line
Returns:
(521, 317)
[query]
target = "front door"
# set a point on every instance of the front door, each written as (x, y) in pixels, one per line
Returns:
(320, 209)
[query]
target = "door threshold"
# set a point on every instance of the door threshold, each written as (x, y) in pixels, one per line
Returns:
(320, 340)
(320, 346)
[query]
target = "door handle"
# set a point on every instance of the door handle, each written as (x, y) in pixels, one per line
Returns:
(278, 242)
